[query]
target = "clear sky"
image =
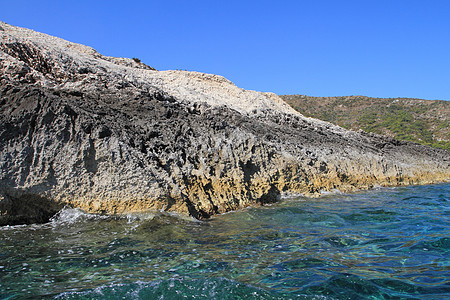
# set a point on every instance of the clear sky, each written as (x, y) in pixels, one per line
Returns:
(378, 48)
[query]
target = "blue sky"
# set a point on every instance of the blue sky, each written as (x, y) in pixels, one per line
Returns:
(378, 48)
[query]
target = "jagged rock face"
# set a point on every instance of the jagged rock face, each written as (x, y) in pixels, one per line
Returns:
(112, 135)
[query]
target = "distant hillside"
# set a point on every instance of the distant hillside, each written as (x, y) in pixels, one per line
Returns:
(422, 121)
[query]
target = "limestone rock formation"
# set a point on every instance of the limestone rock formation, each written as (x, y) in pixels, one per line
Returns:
(112, 135)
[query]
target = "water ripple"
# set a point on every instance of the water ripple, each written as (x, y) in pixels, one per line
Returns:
(383, 244)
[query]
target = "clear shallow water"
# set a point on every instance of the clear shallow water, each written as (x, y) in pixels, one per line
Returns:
(383, 244)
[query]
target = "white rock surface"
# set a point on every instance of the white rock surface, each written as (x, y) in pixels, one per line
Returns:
(182, 85)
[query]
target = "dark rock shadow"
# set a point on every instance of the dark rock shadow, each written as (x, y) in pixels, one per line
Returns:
(26, 209)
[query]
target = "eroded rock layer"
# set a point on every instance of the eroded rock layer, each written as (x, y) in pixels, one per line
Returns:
(112, 135)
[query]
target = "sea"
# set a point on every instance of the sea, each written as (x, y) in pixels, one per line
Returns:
(386, 243)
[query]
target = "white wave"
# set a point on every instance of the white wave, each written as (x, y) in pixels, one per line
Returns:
(332, 192)
(73, 215)
(139, 216)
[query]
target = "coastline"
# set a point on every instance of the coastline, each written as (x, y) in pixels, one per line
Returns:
(110, 136)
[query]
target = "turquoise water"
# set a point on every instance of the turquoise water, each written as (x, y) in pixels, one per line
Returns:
(382, 244)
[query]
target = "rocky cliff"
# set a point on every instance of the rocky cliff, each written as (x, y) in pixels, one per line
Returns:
(112, 135)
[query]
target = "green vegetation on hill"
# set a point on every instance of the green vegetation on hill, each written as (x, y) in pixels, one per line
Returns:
(421, 121)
